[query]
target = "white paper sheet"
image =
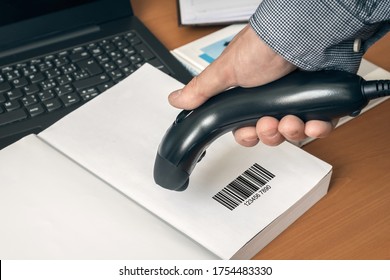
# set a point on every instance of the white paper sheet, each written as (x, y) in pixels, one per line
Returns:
(51, 208)
(216, 11)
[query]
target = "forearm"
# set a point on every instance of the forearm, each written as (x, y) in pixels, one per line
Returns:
(315, 35)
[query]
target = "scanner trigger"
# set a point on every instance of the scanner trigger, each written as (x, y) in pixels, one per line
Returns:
(355, 113)
(202, 156)
(182, 115)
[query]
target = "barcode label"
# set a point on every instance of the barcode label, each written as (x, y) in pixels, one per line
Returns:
(243, 186)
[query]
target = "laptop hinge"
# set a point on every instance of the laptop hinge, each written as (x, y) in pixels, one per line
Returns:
(50, 40)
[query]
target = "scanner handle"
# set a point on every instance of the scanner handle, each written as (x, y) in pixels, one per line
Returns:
(322, 95)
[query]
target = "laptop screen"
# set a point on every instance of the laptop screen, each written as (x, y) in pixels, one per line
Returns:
(23, 21)
(17, 10)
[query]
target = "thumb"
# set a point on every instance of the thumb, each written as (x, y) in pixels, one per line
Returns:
(207, 84)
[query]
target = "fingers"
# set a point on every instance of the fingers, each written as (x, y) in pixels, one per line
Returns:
(267, 129)
(272, 132)
(292, 128)
(246, 136)
(319, 129)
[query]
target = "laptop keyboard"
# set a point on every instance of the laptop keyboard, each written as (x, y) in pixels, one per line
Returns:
(60, 80)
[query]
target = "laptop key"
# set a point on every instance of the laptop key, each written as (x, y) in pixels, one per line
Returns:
(68, 68)
(46, 95)
(14, 94)
(90, 82)
(108, 66)
(29, 100)
(12, 105)
(19, 82)
(35, 110)
(60, 61)
(105, 86)
(31, 89)
(116, 74)
(77, 56)
(52, 104)
(4, 87)
(89, 93)
(13, 116)
(48, 84)
(36, 78)
(144, 51)
(80, 75)
(122, 62)
(65, 89)
(91, 66)
(70, 99)
(52, 73)
(107, 46)
(12, 75)
(134, 41)
(45, 66)
(64, 79)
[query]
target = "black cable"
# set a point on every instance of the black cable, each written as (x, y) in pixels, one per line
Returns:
(376, 89)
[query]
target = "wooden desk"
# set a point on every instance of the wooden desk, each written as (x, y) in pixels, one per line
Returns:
(353, 220)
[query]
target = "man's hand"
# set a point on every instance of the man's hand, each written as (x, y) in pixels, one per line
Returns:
(248, 62)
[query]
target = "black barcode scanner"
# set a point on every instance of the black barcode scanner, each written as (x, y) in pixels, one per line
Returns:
(322, 95)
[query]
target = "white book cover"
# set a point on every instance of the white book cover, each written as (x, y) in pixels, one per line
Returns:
(115, 137)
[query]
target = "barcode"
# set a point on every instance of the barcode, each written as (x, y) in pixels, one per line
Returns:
(243, 186)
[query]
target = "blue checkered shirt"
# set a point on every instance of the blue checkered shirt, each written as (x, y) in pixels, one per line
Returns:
(322, 34)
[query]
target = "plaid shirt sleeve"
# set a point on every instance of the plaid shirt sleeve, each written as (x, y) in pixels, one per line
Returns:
(320, 34)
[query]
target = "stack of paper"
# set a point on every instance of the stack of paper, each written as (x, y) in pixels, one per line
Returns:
(62, 192)
(194, 12)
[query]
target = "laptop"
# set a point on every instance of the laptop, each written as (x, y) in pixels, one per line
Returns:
(57, 55)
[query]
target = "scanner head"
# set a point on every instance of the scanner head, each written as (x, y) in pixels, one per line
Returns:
(168, 175)
(182, 146)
